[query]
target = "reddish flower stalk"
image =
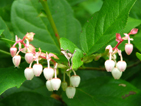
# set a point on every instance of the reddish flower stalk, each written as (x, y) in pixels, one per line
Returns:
(118, 44)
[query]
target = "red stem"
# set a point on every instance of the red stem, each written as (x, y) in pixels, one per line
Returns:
(118, 44)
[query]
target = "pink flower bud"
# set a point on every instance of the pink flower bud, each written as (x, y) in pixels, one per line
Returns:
(48, 73)
(29, 57)
(116, 73)
(13, 51)
(37, 69)
(75, 80)
(16, 60)
(133, 31)
(128, 48)
(109, 65)
(121, 65)
(48, 85)
(70, 92)
(28, 72)
(55, 82)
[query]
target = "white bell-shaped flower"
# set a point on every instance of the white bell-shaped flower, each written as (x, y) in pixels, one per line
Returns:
(37, 69)
(70, 92)
(55, 82)
(48, 73)
(121, 65)
(28, 72)
(75, 80)
(109, 65)
(116, 73)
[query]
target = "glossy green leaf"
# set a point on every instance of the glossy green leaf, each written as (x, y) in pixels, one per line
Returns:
(103, 91)
(92, 6)
(11, 77)
(137, 40)
(29, 99)
(74, 2)
(6, 32)
(138, 56)
(77, 59)
(135, 11)
(131, 23)
(103, 25)
(1, 31)
(77, 53)
(5, 7)
(35, 85)
(25, 19)
(67, 45)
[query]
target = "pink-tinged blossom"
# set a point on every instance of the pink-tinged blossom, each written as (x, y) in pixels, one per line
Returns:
(128, 48)
(16, 60)
(29, 57)
(13, 51)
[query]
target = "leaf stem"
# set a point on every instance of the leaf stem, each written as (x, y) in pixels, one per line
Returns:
(4, 52)
(46, 8)
(92, 68)
(103, 69)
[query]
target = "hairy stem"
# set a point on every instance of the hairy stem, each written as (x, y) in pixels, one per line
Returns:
(46, 8)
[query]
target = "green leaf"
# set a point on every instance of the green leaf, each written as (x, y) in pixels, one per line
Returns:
(74, 2)
(138, 56)
(5, 7)
(137, 40)
(77, 59)
(135, 11)
(1, 31)
(103, 25)
(131, 23)
(67, 44)
(11, 77)
(78, 54)
(6, 32)
(29, 99)
(25, 19)
(35, 85)
(92, 6)
(103, 91)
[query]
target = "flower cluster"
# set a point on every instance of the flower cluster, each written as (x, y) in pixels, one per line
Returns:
(30, 56)
(116, 68)
(36, 69)
(74, 79)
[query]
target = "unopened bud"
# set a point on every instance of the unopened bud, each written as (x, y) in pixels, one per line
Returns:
(16, 60)
(64, 86)
(128, 48)
(13, 51)
(29, 57)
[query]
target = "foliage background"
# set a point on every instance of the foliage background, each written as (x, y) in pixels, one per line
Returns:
(79, 21)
